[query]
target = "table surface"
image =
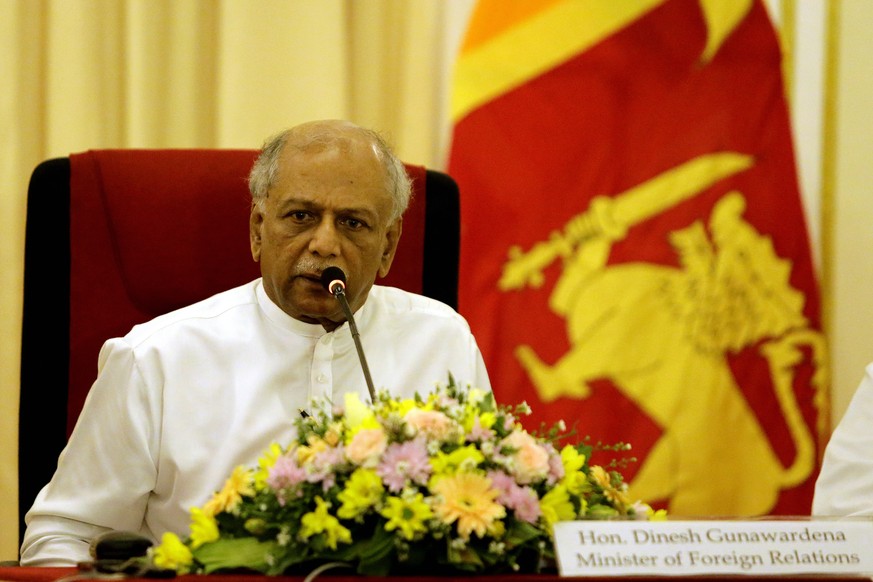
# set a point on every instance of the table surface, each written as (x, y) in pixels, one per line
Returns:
(25, 574)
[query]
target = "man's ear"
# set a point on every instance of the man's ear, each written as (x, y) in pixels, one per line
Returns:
(256, 225)
(392, 237)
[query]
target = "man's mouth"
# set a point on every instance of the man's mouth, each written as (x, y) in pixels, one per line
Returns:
(312, 279)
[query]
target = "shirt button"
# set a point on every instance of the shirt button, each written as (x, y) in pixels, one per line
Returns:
(321, 378)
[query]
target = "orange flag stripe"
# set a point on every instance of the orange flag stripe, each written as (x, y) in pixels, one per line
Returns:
(509, 43)
(492, 18)
(504, 55)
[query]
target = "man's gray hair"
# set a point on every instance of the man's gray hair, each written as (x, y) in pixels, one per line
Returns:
(323, 134)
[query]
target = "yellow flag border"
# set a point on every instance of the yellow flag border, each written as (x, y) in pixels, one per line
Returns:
(570, 27)
(520, 53)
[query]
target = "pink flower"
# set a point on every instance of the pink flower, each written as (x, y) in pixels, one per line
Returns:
(367, 446)
(508, 421)
(431, 423)
(478, 433)
(322, 467)
(284, 476)
(522, 500)
(405, 462)
(556, 466)
(530, 461)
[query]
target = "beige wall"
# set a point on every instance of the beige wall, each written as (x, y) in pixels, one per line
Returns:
(850, 258)
(33, 127)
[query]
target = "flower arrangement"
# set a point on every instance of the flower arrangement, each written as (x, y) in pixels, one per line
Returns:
(450, 482)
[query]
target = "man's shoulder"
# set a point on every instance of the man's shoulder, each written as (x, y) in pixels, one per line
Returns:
(400, 300)
(202, 313)
(393, 302)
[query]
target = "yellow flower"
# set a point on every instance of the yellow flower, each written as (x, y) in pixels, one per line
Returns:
(618, 497)
(401, 407)
(600, 477)
(204, 528)
(357, 413)
(334, 433)
(576, 483)
(265, 463)
(313, 446)
(572, 459)
(574, 479)
(407, 515)
(497, 529)
(255, 525)
(172, 554)
(464, 458)
(469, 500)
(556, 506)
(476, 396)
(659, 515)
(363, 490)
(238, 484)
(320, 521)
(486, 419)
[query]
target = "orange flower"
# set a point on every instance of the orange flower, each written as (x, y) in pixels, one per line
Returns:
(467, 498)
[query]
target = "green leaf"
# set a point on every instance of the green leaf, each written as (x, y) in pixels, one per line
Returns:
(374, 555)
(233, 554)
(522, 532)
(466, 559)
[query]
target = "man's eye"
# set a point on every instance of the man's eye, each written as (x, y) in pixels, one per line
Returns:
(354, 223)
(299, 215)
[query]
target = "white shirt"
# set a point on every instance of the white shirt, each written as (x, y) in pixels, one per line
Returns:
(183, 399)
(845, 482)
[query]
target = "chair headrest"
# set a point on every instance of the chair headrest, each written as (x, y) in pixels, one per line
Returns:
(177, 220)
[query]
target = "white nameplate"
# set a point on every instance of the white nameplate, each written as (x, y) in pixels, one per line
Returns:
(670, 548)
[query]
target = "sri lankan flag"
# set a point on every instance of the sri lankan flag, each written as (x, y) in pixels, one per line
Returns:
(635, 258)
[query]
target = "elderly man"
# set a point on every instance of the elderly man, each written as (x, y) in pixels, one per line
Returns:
(183, 399)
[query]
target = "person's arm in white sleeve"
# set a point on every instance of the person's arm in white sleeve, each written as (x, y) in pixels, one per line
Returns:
(107, 470)
(483, 381)
(845, 483)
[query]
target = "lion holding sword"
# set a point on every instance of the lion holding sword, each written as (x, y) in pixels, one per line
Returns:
(662, 336)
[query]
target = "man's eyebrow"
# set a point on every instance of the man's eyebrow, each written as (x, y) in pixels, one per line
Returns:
(298, 203)
(307, 204)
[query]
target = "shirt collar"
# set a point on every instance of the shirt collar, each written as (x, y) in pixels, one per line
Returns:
(275, 314)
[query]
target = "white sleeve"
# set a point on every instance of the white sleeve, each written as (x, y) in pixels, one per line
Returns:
(107, 470)
(57, 541)
(482, 380)
(845, 483)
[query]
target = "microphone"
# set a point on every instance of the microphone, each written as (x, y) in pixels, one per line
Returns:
(334, 280)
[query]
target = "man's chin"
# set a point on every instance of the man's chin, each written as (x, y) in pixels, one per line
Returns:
(325, 312)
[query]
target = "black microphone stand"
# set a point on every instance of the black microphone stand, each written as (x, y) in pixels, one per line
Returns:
(335, 283)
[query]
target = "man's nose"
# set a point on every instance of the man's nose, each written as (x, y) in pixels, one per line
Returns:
(325, 239)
